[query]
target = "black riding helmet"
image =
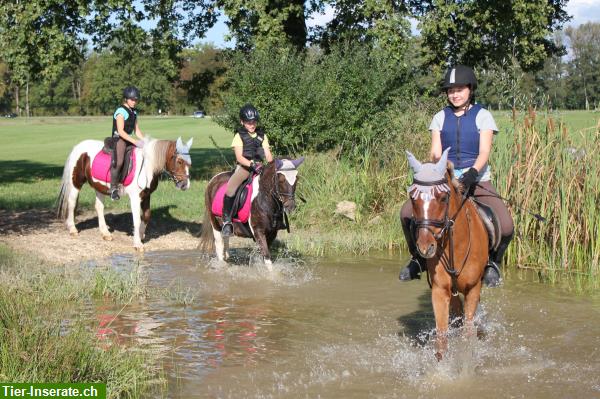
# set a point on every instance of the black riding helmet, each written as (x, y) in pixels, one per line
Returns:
(460, 75)
(248, 113)
(131, 92)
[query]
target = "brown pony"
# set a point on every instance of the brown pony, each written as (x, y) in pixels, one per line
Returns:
(450, 235)
(273, 192)
(157, 156)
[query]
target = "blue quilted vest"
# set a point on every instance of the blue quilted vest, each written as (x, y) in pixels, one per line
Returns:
(460, 133)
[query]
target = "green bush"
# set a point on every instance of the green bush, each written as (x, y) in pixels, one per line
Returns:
(314, 101)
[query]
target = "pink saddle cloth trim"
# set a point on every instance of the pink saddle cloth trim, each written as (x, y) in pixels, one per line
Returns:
(243, 214)
(101, 168)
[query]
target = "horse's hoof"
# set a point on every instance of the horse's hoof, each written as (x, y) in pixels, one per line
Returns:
(438, 356)
(139, 248)
(107, 237)
(74, 233)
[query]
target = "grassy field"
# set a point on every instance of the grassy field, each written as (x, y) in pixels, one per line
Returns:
(33, 152)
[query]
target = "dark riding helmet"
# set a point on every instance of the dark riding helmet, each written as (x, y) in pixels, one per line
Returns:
(248, 113)
(460, 75)
(131, 92)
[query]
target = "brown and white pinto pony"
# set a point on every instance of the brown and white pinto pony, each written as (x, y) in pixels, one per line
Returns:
(155, 157)
(273, 190)
(450, 235)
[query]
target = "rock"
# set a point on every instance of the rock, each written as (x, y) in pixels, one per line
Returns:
(346, 209)
(376, 220)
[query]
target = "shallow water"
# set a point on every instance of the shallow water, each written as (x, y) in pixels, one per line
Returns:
(347, 328)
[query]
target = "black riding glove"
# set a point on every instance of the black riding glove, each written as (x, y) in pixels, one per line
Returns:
(252, 167)
(468, 180)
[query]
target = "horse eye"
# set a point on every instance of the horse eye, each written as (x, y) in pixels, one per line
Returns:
(445, 198)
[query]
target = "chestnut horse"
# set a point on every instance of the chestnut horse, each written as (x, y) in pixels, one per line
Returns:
(155, 157)
(273, 192)
(450, 235)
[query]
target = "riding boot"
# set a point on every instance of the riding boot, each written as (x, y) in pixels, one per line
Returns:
(491, 274)
(114, 178)
(416, 265)
(227, 230)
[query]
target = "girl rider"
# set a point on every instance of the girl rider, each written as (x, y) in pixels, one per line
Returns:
(468, 129)
(124, 124)
(250, 145)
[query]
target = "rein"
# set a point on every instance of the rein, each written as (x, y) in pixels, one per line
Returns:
(277, 196)
(447, 231)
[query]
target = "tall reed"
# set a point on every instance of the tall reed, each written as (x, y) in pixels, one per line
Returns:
(543, 167)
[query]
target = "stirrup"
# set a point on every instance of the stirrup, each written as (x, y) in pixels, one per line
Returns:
(227, 229)
(491, 275)
(411, 271)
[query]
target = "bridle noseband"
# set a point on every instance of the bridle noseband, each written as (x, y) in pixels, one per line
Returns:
(444, 224)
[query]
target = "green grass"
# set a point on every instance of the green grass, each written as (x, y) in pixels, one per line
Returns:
(45, 336)
(33, 152)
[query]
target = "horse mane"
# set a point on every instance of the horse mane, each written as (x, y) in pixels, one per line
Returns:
(267, 179)
(453, 179)
(155, 155)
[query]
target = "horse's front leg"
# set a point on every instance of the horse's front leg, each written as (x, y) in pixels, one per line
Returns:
(471, 302)
(261, 240)
(135, 213)
(101, 222)
(440, 298)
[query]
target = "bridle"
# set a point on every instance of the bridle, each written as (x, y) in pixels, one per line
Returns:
(176, 177)
(277, 195)
(446, 226)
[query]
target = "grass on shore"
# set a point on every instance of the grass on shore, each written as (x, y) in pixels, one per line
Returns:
(44, 337)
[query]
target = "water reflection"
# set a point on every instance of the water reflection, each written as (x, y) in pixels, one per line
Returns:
(347, 328)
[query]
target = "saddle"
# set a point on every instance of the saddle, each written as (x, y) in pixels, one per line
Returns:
(103, 160)
(491, 223)
(241, 205)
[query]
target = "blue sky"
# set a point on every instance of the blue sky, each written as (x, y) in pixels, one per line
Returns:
(582, 11)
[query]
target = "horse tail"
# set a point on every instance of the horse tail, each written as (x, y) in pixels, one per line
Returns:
(207, 239)
(66, 185)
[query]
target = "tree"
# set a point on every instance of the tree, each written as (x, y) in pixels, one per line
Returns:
(383, 24)
(37, 39)
(267, 23)
(485, 32)
(201, 76)
(585, 63)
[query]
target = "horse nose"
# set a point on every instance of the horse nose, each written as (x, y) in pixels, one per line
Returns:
(430, 250)
(290, 206)
(427, 252)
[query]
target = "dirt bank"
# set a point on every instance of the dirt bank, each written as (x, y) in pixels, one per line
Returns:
(39, 232)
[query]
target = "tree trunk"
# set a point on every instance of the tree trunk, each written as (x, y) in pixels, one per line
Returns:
(27, 113)
(17, 109)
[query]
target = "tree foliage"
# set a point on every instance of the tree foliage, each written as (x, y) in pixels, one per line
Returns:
(267, 23)
(383, 24)
(485, 32)
(584, 68)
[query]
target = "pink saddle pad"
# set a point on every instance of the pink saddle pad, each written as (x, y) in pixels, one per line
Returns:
(101, 168)
(243, 214)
